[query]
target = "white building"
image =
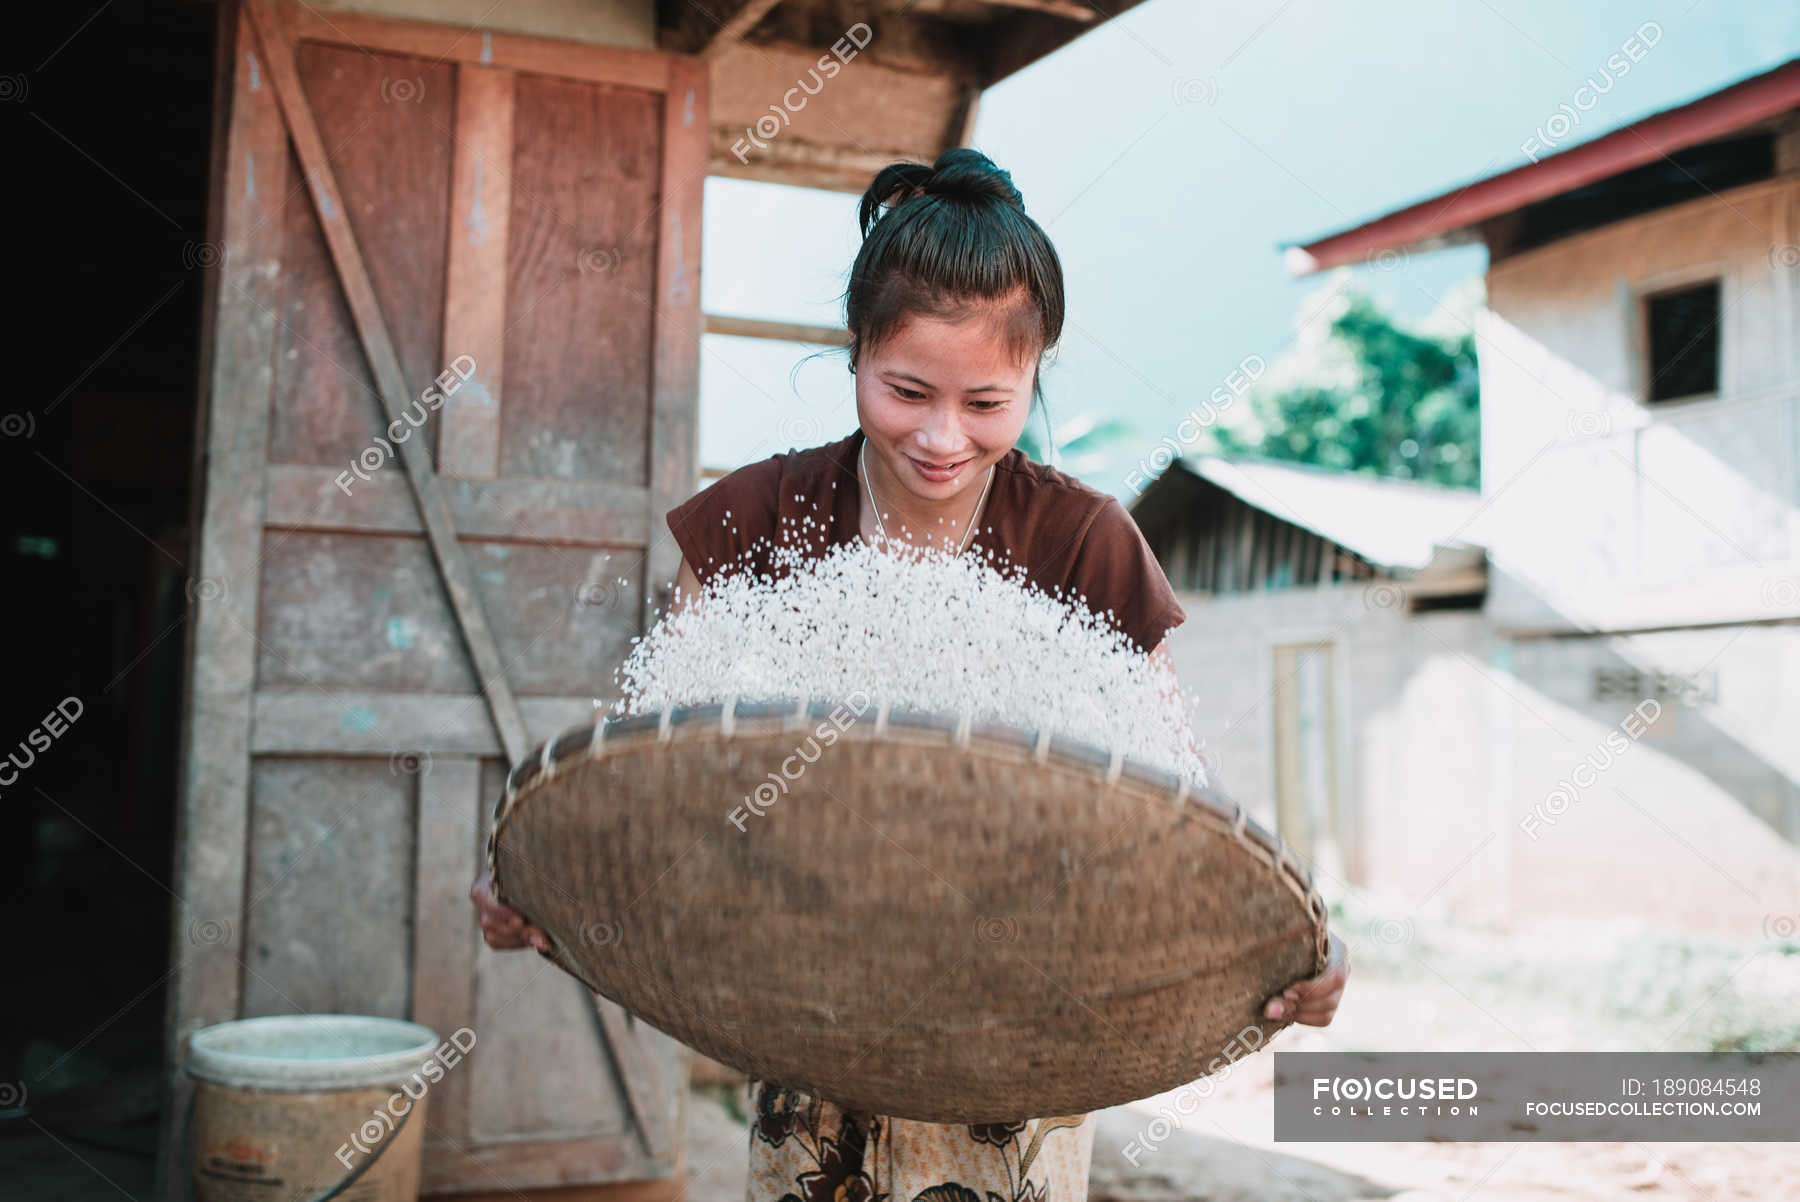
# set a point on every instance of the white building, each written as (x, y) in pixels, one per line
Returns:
(1615, 729)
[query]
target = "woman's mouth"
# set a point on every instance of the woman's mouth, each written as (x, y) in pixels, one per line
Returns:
(938, 472)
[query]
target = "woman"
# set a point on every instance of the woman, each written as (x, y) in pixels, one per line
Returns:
(954, 298)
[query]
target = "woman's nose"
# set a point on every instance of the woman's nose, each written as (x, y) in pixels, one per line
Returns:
(940, 435)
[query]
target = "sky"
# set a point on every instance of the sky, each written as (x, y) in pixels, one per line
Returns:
(1172, 152)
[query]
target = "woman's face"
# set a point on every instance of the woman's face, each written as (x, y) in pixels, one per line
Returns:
(939, 402)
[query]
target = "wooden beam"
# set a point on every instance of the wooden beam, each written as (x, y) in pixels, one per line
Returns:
(348, 722)
(474, 291)
(574, 512)
(1067, 10)
(962, 123)
(733, 27)
(802, 164)
(445, 931)
(676, 322)
(910, 42)
(647, 69)
(1026, 37)
(212, 819)
(783, 331)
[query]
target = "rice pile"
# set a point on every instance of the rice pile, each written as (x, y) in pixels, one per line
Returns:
(923, 629)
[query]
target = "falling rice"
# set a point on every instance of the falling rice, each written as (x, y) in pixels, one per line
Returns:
(923, 629)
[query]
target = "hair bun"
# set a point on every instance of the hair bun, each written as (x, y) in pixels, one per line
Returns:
(964, 171)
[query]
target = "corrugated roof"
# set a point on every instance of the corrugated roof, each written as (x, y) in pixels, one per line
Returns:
(1393, 523)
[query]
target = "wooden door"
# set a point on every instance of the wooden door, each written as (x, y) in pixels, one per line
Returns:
(1305, 752)
(505, 230)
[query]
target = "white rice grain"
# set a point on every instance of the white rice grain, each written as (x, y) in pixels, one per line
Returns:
(921, 628)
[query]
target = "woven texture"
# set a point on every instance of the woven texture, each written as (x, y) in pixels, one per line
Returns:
(909, 914)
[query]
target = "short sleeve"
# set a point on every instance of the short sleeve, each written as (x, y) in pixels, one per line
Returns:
(1115, 569)
(720, 524)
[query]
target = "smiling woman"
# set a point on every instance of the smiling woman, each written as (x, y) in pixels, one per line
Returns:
(954, 298)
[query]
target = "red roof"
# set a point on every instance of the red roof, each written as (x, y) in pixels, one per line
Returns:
(1755, 99)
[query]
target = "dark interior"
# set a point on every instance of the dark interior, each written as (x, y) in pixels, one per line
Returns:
(113, 106)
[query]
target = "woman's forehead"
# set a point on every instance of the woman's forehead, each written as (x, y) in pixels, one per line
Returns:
(965, 353)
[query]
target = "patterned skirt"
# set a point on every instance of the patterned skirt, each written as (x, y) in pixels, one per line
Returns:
(805, 1149)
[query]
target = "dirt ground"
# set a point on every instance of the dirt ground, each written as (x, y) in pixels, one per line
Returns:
(1420, 988)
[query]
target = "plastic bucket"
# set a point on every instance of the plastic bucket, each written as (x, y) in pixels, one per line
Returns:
(312, 1106)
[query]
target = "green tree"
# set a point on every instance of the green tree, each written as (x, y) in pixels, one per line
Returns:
(1360, 392)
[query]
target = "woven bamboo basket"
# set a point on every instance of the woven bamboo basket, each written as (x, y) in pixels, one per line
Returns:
(907, 913)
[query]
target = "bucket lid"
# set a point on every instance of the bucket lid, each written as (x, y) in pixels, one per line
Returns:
(301, 1052)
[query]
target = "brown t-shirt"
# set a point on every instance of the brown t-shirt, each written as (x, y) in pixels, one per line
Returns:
(1066, 534)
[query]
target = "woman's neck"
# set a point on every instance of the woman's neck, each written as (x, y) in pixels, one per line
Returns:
(917, 520)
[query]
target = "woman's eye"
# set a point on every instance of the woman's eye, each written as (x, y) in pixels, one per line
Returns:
(986, 406)
(908, 393)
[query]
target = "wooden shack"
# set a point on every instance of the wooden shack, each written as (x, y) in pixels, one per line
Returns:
(448, 391)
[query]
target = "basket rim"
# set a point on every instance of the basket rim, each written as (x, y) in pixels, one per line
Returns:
(738, 717)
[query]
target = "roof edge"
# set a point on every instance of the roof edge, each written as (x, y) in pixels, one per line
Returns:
(1439, 217)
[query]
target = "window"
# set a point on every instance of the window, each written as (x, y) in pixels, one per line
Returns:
(1684, 341)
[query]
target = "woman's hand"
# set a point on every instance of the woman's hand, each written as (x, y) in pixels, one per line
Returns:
(1314, 1001)
(503, 927)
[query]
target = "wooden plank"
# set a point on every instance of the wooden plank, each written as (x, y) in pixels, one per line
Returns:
(212, 817)
(667, 1189)
(328, 923)
(1228, 541)
(384, 119)
(1175, 553)
(1262, 532)
(349, 611)
(1068, 10)
(1028, 36)
(645, 69)
(536, 1019)
(962, 122)
(870, 104)
(580, 282)
(283, 76)
(528, 1164)
(1246, 548)
(802, 164)
(578, 512)
(733, 27)
(899, 38)
(475, 310)
(646, 1084)
(675, 386)
(445, 932)
(784, 331)
(373, 723)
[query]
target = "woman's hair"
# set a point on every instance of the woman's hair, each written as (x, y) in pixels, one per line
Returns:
(953, 240)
